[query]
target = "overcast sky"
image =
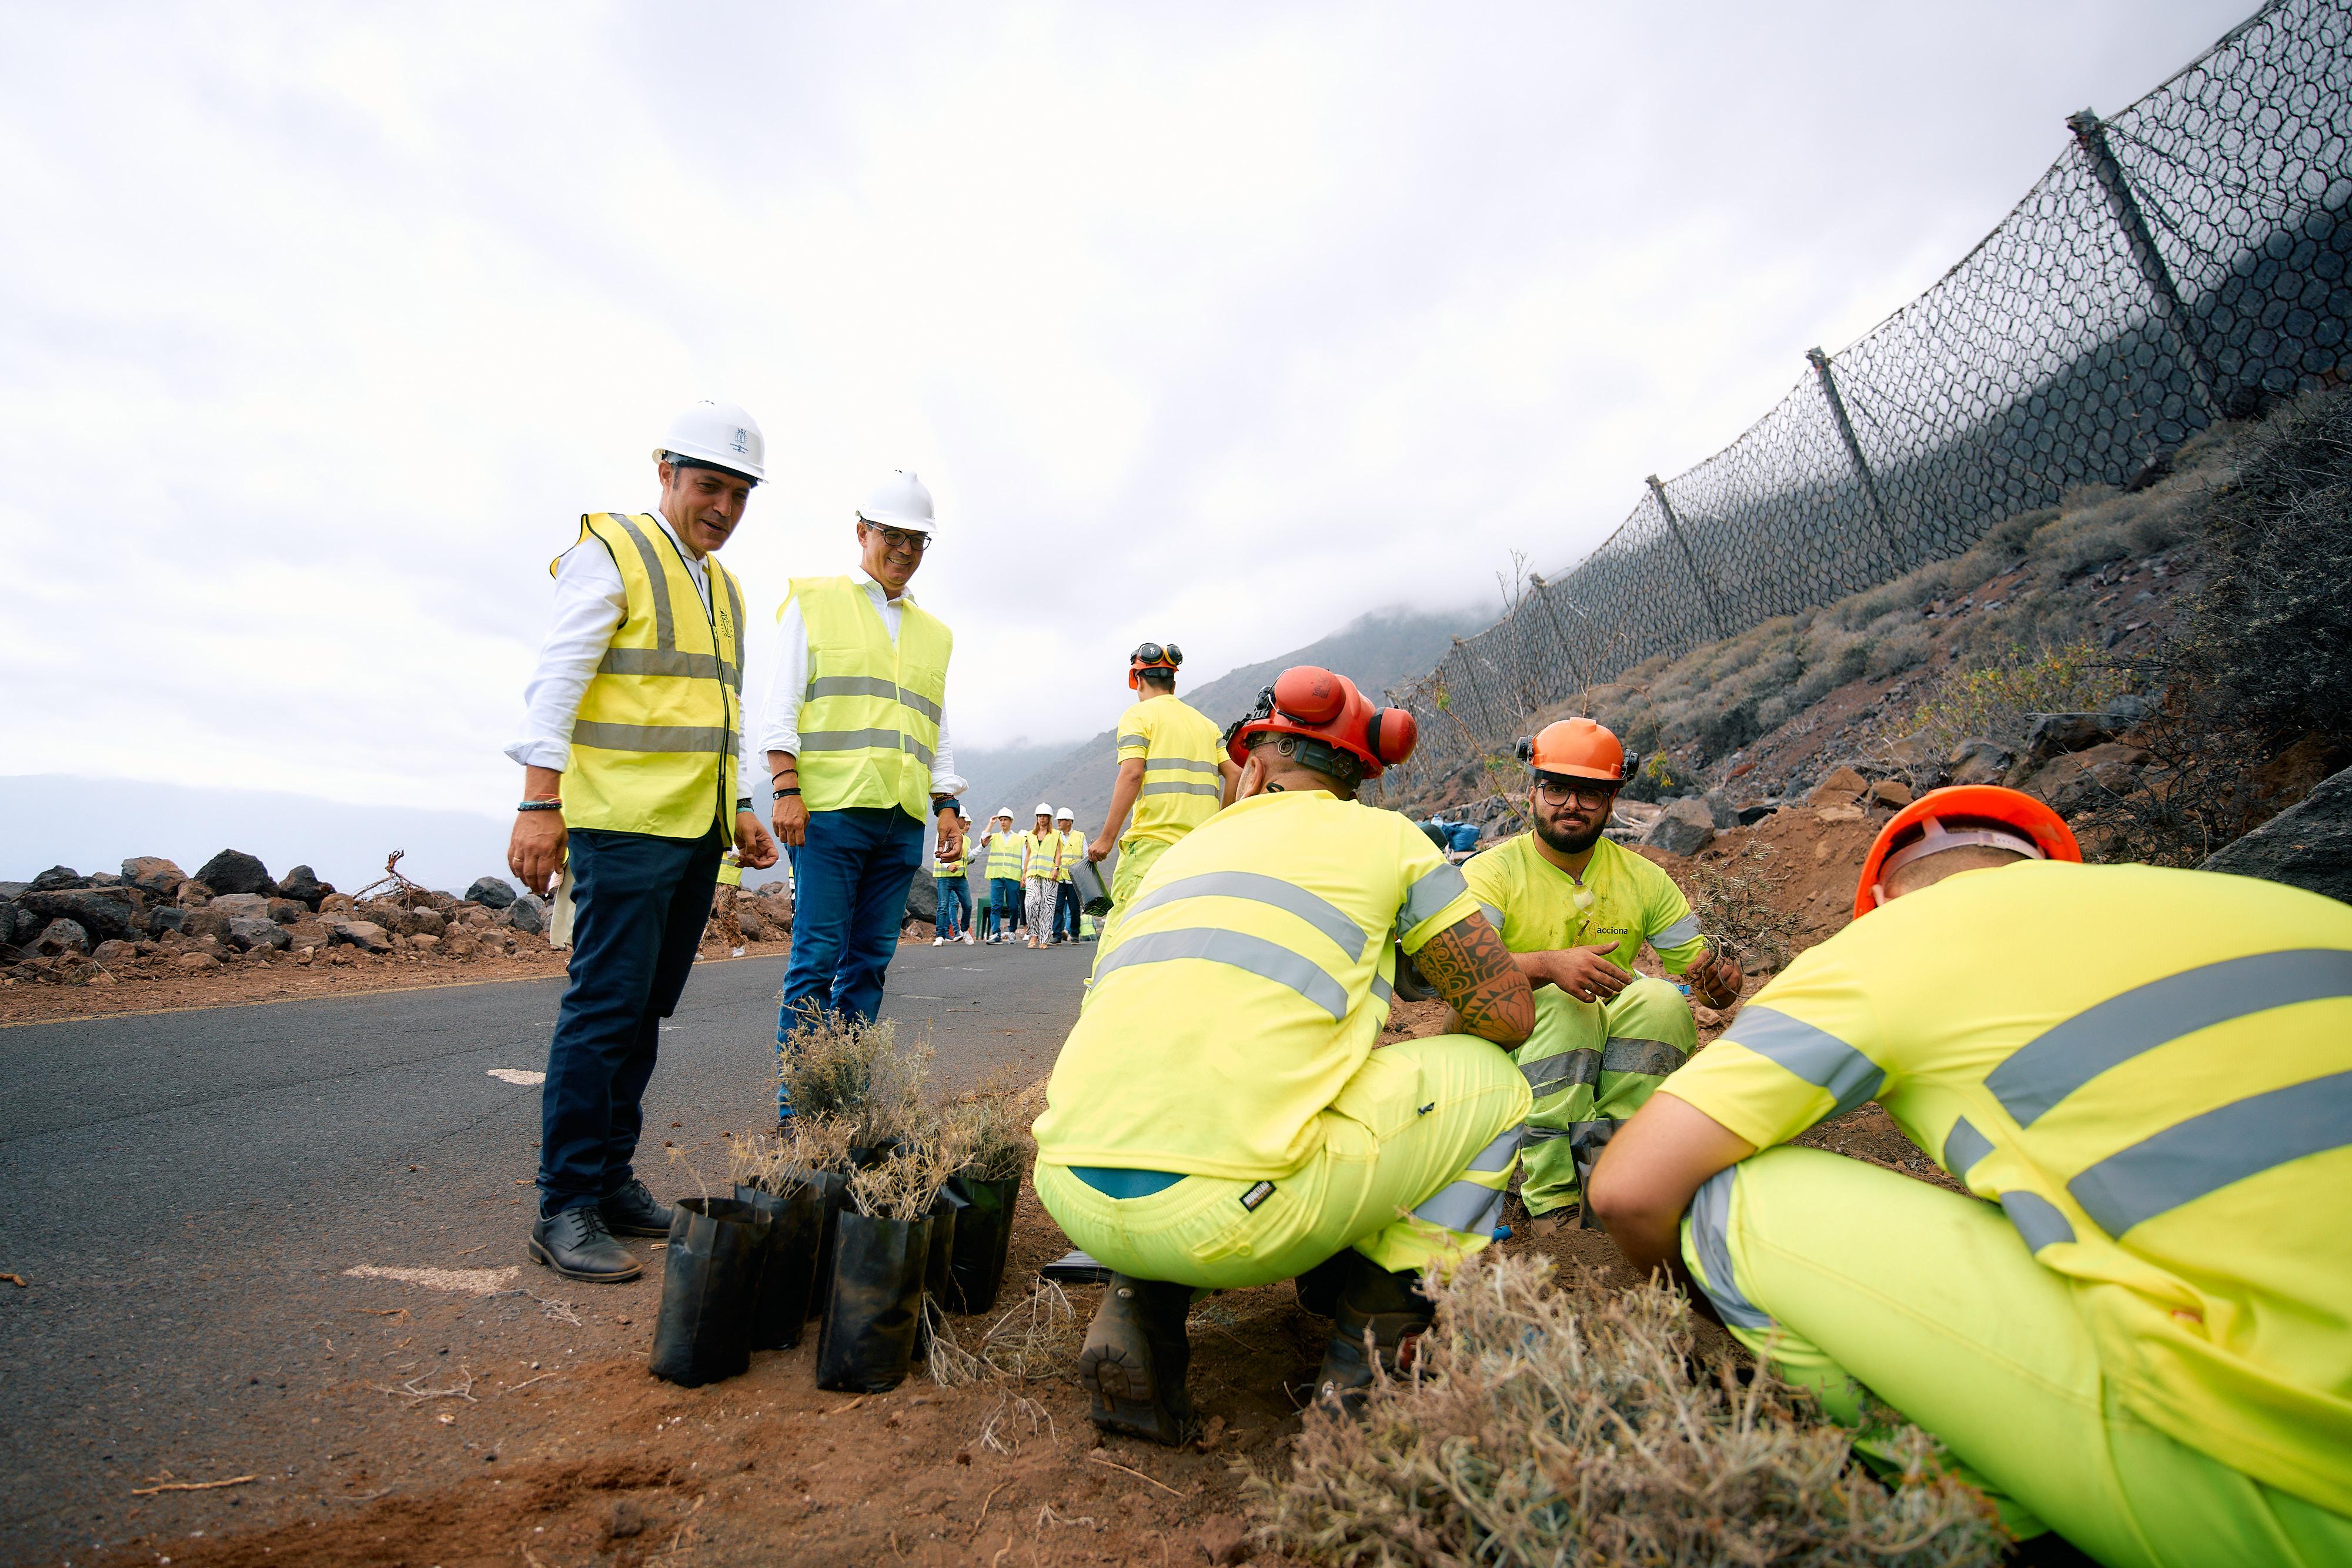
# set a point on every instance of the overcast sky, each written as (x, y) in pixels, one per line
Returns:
(320, 325)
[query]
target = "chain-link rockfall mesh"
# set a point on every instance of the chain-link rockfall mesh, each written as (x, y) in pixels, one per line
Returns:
(2183, 261)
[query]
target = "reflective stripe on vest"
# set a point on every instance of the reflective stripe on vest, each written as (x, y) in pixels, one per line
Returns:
(653, 747)
(869, 719)
(1042, 857)
(1003, 857)
(1074, 853)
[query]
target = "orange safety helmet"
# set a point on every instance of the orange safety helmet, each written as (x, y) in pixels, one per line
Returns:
(1320, 705)
(2041, 833)
(1152, 657)
(1576, 749)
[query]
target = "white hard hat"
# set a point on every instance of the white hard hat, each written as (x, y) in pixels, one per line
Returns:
(1044, 808)
(718, 433)
(1005, 811)
(1066, 815)
(899, 501)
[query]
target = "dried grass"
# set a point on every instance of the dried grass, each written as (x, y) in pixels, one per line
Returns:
(990, 1128)
(904, 1185)
(1552, 1426)
(1034, 1340)
(1740, 903)
(858, 1073)
(784, 1165)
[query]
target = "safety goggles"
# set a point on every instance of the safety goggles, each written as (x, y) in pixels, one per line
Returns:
(895, 539)
(1169, 654)
(1553, 790)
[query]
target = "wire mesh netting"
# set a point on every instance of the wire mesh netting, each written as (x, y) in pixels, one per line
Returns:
(2182, 262)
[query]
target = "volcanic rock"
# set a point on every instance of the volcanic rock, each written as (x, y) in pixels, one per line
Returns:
(528, 913)
(60, 938)
(1842, 787)
(2309, 845)
(196, 962)
(103, 914)
(153, 876)
(248, 933)
(1684, 827)
(234, 871)
(57, 879)
(491, 892)
(303, 883)
(364, 934)
(1979, 761)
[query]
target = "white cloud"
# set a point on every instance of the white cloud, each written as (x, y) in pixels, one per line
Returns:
(320, 325)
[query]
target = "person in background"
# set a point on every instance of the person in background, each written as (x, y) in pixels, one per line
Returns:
(952, 903)
(630, 774)
(858, 754)
(1003, 846)
(723, 903)
(1173, 773)
(1065, 894)
(1041, 875)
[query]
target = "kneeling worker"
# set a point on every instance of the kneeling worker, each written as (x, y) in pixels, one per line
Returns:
(1574, 908)
(1219, 1117)
(2137, 1339)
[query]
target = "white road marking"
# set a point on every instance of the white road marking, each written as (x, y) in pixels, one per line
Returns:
(516, 1075)
(470, 1282)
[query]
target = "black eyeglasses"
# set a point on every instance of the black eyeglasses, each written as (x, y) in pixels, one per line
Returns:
(1555, 791)
(900, 539)
(1155, 653)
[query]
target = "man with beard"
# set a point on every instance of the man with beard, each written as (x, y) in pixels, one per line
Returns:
(1574, 908)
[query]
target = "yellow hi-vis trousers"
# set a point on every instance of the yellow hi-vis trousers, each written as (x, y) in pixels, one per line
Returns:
(1591, 1065)
(1414, 1160)
(1853, 1281)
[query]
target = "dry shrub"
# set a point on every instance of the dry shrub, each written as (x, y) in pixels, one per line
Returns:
(990, 1128)
(1552, 1426)
(1997, 700)
(858, 1073)
(1033, 1341)
(1738, 902)
(904, 1185)
(782, 1166)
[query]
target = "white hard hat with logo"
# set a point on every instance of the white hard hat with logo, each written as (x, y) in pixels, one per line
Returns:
(1066, 815)
(899, 502)
(720, 434)
(1044, 808)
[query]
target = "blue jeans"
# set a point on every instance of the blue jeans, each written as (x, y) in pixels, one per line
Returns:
(1003, 903)
(955, 906)
(640, 904)
(851, 889)
(1065, 911)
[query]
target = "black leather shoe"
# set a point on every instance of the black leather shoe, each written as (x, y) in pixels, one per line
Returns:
(1381, 1317)
(632, 1211)
(1135, 1358)
(576, 1245)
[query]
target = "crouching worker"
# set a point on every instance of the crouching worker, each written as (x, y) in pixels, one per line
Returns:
(1575, 909)
(1219, 1117)
(2134, 1332)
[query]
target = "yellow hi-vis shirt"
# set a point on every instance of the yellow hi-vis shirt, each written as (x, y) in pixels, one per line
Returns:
(869, 719)
(1183, 779)
(1243, 985)
(2151, 1072)
(1041, 855)
(1533, 904)
(653, 746)
(947, 868)
(1005, 856)
(1074, 853)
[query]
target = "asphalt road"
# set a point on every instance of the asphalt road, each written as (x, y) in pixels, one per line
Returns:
(184, 1192)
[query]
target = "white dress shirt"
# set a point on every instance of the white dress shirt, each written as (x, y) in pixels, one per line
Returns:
(788, 679)
(589, 604)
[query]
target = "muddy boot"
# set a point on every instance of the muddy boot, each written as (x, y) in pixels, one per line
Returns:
(1386, 1308)
(1135, 1360)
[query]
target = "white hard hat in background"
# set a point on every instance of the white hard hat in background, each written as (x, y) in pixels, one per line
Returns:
(1044, 808)
(720, 434)
(1001, 811)
(1066, 815)
(900, 501)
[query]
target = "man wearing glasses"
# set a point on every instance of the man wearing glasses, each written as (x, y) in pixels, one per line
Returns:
(858, 752)
(1173, 772)
(1574, 908)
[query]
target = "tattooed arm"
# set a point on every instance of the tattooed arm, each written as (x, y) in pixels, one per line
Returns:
(1467, 965)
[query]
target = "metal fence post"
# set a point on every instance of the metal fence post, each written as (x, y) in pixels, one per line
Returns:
(1820, 363)
(1705, 588)
(1560, 633)
(1478, 694)
(2090, 136)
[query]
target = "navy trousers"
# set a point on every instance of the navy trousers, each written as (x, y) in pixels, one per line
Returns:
(1003, 903)
(640, 904)
(1066, 910)
(955, 906)
(852, 877)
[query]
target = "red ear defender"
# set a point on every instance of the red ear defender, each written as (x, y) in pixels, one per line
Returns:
(1392, 735)
(1310, 695)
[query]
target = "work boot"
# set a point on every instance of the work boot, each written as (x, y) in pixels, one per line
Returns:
(576, 1245)
(1135, 1360)
(632, 1211)
(1387, 1308)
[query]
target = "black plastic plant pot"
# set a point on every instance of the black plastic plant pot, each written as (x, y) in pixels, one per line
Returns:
(708, 1275)
(780, 1303)
(984, 1240)
(832, 1188)
(935, 1259)
(867, 1340)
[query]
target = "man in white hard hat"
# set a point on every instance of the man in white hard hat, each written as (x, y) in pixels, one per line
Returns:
(631, 727)
(856, 739)
(1004, 873)
(1066, 889)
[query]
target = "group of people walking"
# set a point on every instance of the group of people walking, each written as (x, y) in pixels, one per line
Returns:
(1032, 876)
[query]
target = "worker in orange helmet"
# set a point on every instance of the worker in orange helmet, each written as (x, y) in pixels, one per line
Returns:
(1575, 909)
(2133, 1329)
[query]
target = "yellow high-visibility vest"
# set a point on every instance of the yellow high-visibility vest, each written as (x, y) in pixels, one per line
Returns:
(653, 748)
(1041, 855)
(1184, 776)
(948, 870)
(1074, 853)
(869, 719)
(1005, 856)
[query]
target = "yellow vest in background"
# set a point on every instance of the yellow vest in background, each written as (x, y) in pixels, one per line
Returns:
(1041, 856)
(1005, 856)
(1074, 853)
(653, 749)
(869, 719)
(946, 870)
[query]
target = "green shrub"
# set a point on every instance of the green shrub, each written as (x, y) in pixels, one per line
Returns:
(1997, 700)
